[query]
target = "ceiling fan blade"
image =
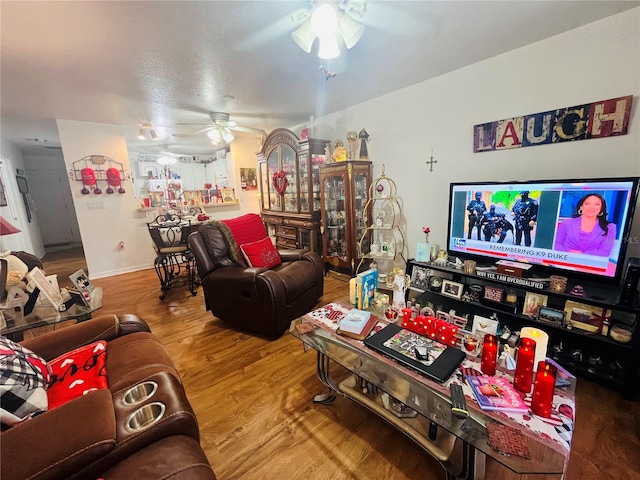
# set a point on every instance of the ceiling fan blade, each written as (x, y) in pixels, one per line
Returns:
(248, 130)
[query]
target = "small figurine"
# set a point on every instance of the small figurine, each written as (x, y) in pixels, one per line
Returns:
(328, 152)
(364, 137)
(339, 152)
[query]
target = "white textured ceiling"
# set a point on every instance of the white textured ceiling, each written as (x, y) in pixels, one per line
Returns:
(169, 62)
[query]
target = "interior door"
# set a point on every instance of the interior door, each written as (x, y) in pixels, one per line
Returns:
(54, 204)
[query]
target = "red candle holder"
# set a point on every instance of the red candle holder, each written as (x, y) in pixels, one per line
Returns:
(523, 376)
(543, 388)
(489, 354)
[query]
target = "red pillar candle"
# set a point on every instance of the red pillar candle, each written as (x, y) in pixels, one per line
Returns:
(489, 354)
(524, 365)
(543, 389)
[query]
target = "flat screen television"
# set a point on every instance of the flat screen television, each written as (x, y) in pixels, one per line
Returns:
(576, 226)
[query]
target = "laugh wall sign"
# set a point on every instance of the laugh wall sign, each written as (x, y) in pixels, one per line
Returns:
(605, 118)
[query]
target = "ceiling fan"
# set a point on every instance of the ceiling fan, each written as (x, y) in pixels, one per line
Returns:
(220, 129)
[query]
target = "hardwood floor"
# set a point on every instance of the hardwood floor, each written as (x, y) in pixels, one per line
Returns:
(252, 397)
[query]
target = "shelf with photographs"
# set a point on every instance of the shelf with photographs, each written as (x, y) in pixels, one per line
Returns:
(592, 335)
(382, 240)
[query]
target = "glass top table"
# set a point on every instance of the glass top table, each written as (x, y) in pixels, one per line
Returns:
(461, 445)
(14, 323)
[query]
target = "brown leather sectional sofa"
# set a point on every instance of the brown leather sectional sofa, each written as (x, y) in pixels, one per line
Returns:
(141, 427)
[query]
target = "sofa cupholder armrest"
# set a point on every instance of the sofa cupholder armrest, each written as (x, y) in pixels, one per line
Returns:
(62, 441)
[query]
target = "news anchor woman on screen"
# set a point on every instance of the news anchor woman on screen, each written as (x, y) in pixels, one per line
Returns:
(589, 231)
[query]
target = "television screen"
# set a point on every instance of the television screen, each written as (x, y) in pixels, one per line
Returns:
(578, 226)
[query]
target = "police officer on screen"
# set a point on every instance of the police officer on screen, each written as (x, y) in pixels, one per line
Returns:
(494, 223)
(525, 214)
(476, 209)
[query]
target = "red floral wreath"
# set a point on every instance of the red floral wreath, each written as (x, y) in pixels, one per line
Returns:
(280, 182)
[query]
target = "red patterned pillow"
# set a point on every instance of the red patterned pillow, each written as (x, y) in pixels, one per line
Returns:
(246, 228)
(77, 372)
(261, 253)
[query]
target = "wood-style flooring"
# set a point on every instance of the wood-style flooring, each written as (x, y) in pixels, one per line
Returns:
(252, 397)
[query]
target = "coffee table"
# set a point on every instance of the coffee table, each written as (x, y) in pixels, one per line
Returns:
(15, 324)
(461, 446)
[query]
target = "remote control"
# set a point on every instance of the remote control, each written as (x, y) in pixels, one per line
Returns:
(458, 402)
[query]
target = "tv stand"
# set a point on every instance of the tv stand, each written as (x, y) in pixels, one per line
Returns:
(595, 355)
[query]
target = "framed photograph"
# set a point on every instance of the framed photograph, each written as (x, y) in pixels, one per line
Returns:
(228, 196)
(3, 195)
(419, 278)
(493, 294)
(551, 316)
(532, 304)
(156, 198)
(81, 281)
(483, 325)
(452, 289)
(51, 293)
(82, 298)
(192, 197)
(588, 318)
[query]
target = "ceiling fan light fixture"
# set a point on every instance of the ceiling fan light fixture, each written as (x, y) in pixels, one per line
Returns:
(349, 30)
(227, 136)
(153, 134)
(304, 36)
(324, 21)
(214, 135)
(141, 135)
(166, 160)
(328, 48)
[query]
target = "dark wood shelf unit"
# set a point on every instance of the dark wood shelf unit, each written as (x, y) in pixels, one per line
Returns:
(613, 364)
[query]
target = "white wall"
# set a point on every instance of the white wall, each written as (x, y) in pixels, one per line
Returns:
(595, 62)
(103, 229)
(28, 239)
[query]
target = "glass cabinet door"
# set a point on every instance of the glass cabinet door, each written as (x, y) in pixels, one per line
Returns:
(361, 185)
(264, 190)
(335, 237)
(303, 166)
(273, 166)
(290, 197)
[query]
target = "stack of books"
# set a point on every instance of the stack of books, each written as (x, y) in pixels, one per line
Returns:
(357, 324)
(496, 393)
(366, 286)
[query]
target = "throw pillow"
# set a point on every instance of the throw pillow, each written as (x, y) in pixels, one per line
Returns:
(261, 253)
(246, 228)
(23, 383)
(77, 372)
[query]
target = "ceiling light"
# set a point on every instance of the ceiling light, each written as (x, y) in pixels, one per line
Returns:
(219, 134)
(304, 36)
(141, 134)
(327, 20)
(328, 48)
(324, 21)
(153, 134)
(350, 30)
(214, 135)
(166, 160)
(227, 136)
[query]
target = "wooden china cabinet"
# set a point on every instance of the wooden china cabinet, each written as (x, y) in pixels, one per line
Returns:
(289, 177)
(344, 188)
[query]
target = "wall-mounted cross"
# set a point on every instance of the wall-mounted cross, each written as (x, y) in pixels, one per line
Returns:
(431, 161)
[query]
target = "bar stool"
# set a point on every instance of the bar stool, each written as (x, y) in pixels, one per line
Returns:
(174, 263)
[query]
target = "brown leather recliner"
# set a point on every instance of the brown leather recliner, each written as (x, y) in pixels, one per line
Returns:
(103, 432)
(262, 300)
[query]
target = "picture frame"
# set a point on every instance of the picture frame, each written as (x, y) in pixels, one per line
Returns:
(50, 292)
(493, 294)
(228, 195)
(419, 278)
(582, 316)
(192, 197)
(532, 304)
(551, 316)
(79, 297)
(483, 325)
(156, 199)
(452, 289)
(81, 280)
